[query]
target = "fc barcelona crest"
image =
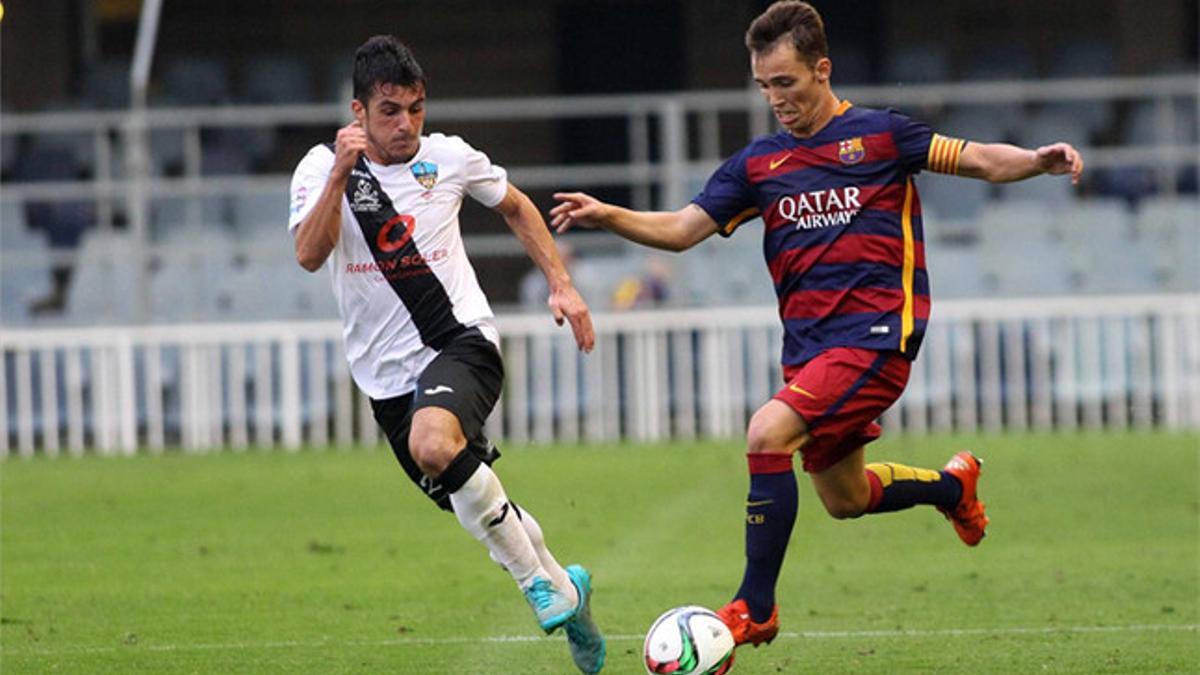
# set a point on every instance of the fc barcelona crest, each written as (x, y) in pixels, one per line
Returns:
(851, 150)
(425, 173)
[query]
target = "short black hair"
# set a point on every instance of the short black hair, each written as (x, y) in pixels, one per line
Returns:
(384, 59)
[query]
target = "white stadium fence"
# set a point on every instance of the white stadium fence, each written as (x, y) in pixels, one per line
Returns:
(986, 365)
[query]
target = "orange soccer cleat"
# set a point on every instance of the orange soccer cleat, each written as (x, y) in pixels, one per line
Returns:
(968, 517)
(736, 615)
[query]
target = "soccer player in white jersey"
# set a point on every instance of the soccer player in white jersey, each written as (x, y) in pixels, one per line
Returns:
(381, 205)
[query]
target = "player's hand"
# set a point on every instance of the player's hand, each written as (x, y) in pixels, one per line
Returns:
(576, 208)
(566, 303)
(351, 142)
(1059, 158)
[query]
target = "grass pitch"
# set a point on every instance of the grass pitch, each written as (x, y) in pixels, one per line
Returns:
(329, 562)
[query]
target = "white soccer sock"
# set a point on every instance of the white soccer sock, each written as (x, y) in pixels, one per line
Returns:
(558, 576)
(483, 510)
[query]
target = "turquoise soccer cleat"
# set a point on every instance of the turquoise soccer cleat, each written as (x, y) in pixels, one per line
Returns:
(583, 636)
(551, 607)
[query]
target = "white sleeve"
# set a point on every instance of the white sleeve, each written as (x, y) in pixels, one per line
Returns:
(307, 184)
(487, 183)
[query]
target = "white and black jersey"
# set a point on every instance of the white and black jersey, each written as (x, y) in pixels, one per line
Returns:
(400, 274)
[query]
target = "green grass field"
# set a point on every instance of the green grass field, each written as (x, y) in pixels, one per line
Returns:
(329, 562)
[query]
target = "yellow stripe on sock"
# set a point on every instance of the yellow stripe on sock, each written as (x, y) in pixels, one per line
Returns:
(889, 473)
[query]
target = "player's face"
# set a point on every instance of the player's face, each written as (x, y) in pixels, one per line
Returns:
(794, 90)
(393, 118)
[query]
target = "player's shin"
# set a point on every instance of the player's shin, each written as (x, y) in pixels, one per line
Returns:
(483, 509)
(558, 576)
(895, 487)
(770, 514)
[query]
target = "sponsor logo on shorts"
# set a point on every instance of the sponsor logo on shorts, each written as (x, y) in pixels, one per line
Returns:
(440, 389)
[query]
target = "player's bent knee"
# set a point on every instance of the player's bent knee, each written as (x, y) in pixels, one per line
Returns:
(774, 428)
(761, 437)
(844, 507)
(432, 451)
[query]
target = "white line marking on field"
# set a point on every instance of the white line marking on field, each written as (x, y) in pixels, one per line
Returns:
(501, 639)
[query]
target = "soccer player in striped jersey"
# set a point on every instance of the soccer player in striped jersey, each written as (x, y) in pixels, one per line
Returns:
(844, 247)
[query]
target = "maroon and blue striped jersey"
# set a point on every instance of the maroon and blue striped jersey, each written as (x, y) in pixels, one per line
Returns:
(842, 236)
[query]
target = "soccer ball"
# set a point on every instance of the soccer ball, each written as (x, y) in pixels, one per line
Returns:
(689, 640)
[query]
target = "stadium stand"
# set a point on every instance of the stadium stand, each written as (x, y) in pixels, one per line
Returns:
(912, 64)
(1128, 208)
(276, 78)
(1170, 228)
(252, 211)
(1022, 251)
(25, 274)
(168, 214)
(106, 84)
(104, 287)
(194, 81)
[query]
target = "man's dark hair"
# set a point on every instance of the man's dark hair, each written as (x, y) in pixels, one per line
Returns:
(797, 20)
(384, 59)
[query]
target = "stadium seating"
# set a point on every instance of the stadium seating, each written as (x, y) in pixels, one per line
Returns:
(1042, 128)
(194, 80)
(918, 64)
(168, 214)
(954, 270)
(1170, 230)
(106, 84)
(264, 281)
(1104, 253)
(194, 261)
(851, 65)
(951, 196)
(105, 284)
(1000, 61)
(60, 155)
(24, 264)
(276, 79)
(263, 209)
(1022, 251)
(982, 123)
(233, 154)
(1083, 57)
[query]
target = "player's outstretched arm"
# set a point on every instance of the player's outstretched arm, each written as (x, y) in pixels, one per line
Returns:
(565, 302)
(1004, 163)
(667, 230)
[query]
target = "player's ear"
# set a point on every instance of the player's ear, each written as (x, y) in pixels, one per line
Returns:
(359, 110)
(823, 69)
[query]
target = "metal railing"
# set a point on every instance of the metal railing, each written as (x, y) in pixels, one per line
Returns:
(991, 365)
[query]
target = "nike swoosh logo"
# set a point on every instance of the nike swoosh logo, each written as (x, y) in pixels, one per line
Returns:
(776, 163)
(440, 389)
(802, 392)
(762, 503)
